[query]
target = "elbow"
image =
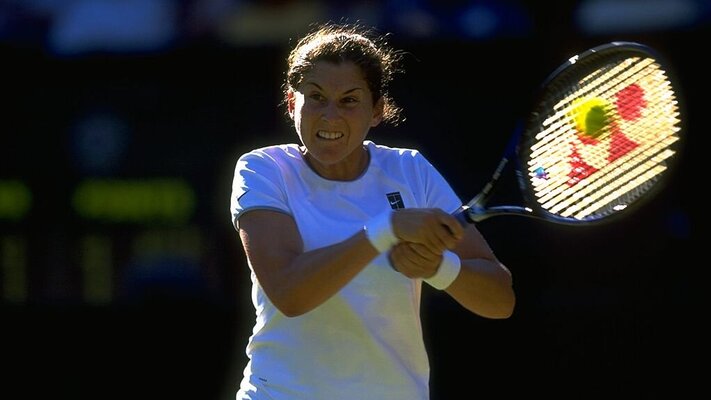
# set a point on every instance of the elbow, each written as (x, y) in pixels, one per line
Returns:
(292, 312)
(290, 306)
(504, 299)
(507, 300)
(499, 306)
(502, 308)
(505, 308)
(289, 299)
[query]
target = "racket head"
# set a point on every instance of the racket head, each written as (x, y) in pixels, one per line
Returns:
(602, 136)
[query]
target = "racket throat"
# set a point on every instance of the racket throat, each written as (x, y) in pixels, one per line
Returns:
(475, 213)
(469, 214)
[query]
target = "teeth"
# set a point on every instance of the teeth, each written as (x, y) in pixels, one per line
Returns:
(329, 135)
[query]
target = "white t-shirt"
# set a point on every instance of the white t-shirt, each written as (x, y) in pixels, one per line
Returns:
(366, 341)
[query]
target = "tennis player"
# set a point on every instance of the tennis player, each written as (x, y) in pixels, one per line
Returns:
(341, 232)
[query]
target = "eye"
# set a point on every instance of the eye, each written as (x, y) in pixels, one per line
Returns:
(350, 100)
(316, 96)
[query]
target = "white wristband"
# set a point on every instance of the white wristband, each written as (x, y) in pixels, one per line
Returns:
(379, 231)
(447, 272)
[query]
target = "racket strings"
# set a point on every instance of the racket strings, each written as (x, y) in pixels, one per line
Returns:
(606, 141)
(559, 122)
(588, 190)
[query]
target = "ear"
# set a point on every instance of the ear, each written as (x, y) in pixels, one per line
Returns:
(378, 111)
(290, 103)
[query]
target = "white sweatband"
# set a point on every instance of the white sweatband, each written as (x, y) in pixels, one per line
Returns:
(379, 231)
(447, 272)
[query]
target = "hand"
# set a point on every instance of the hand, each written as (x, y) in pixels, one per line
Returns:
(414, 260)
(433, 228)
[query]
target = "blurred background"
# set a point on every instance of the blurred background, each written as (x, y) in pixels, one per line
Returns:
(120, 272)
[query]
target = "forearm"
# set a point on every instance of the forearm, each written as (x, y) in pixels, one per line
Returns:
(314, 276)
(484, 287)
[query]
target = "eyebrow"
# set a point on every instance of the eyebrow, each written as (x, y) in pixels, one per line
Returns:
(346, 92)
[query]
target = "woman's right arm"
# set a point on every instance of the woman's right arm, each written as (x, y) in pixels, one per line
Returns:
(296, 281)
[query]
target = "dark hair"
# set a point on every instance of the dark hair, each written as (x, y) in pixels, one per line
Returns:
(337, 43)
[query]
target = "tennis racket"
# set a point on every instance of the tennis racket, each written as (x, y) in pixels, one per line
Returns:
(600, 139)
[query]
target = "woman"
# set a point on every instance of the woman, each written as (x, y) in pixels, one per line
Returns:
(340, 232)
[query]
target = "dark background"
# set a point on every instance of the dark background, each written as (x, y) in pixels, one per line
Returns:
(146, 304)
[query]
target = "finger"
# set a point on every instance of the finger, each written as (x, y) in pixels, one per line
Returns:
(451, 234)
(395, 256)
(403, 259)
(454, 228)
(439, 239)
(423, 251)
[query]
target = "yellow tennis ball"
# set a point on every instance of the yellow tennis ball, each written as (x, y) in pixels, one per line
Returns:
(590, 116)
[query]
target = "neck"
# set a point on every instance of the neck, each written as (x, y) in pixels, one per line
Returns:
(345, 170)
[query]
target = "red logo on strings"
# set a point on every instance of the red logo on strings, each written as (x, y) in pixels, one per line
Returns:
(594, 119)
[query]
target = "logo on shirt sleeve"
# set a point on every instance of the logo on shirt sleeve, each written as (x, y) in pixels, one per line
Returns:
(395, 200)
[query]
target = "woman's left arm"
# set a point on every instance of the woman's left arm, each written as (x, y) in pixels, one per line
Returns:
(484, 285)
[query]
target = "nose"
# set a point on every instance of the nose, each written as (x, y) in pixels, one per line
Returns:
(330, 111)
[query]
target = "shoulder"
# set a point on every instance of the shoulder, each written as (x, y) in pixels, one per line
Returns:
(273, 152)
(270, 163)
(381, 151)
(402, 156)
(269, 156)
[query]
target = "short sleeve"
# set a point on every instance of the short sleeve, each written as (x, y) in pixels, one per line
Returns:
(256, 185)
(439, 192)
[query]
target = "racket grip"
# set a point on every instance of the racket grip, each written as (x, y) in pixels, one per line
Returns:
(462, 215)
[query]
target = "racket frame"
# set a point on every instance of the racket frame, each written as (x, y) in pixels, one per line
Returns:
(476, 210)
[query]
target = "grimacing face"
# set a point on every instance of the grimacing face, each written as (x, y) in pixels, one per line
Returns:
(333, 111)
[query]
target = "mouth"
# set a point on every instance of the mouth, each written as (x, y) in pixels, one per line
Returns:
(329, 135)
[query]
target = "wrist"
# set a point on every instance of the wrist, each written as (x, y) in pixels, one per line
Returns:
(379, 231)
(447, 272)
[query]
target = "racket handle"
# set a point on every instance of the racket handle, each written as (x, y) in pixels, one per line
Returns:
(462, 215)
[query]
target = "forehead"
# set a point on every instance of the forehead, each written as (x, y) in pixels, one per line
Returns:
(338, 77)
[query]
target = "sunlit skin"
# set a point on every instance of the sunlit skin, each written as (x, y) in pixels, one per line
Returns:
(333, 111)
